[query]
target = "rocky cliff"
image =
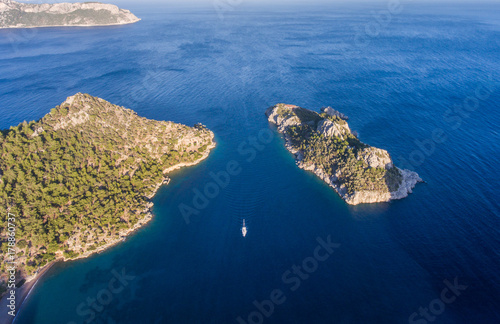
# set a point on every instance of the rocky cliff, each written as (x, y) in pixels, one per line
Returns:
(23, 15)
(324, 144)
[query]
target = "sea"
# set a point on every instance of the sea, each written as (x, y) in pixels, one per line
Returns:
(418, 79)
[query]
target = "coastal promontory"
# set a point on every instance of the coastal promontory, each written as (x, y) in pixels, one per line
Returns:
(26, 15)
(324, 144)
(82, 177)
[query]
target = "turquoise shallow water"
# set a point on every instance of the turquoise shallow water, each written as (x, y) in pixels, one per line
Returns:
(190, 66)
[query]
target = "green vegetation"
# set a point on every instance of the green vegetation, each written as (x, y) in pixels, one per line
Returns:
(84, 172)
(283, 112)
(335, 119)
(80, 16)
(307, 116)
(338, 156)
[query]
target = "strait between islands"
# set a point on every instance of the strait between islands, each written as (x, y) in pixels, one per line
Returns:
(81, 179)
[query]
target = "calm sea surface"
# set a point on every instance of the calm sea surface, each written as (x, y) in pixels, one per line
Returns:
(401, 79)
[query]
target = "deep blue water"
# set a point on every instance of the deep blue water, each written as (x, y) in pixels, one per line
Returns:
(397, 87)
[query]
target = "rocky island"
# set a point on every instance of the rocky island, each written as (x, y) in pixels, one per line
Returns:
(81, 178)
(324, 144)
(26, 15)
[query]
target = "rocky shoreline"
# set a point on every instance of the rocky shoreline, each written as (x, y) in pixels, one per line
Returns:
(410, 179)
(283, 122)
(53, 26)
(89, 14)
(24, 291)
(148, 212)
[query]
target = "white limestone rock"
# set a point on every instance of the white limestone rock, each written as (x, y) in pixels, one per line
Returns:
(26, 15)
(376, 158)
(330, 128)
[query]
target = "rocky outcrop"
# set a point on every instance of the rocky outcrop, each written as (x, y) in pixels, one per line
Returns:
(409, 180)
(333, 113)
(281, 118)
(376, 158)
(330, 128)
(386, 182)
(24, 15)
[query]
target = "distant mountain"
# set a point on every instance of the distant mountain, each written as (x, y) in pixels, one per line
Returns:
(22, 15)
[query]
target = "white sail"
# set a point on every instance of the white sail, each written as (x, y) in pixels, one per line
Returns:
(244, 229)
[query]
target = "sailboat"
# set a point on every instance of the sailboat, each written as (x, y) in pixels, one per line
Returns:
(244, 229)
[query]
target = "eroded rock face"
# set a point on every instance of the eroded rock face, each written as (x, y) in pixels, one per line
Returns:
(333, 113)
(283, 120)
(409, 181)
(330, 128)
(21, 15)
(285, 116)
(376, 158)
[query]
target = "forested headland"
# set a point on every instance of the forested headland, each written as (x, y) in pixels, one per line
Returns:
(84, 174)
